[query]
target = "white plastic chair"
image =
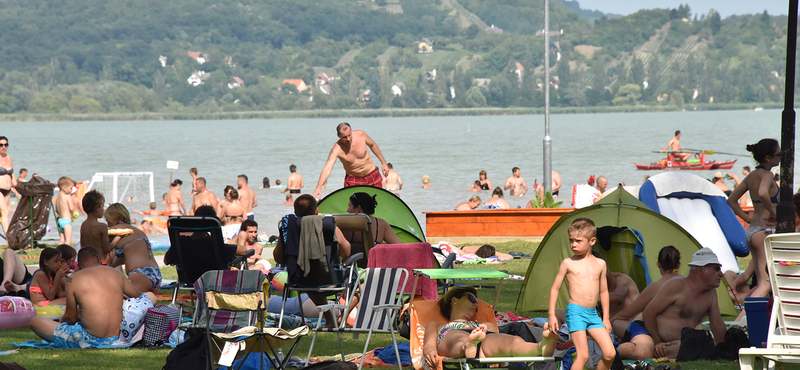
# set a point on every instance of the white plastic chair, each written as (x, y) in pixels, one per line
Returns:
(783, 339)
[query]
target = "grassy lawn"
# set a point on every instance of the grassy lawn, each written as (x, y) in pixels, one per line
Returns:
(140, 358)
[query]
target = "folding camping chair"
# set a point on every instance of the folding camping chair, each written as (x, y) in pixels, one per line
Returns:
(196, 246)
(327, 275)
(783, 338)
(424, 312)
(381, 299)
(230, 304)
(357, 223)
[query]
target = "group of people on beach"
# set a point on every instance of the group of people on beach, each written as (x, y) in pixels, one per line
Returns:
(648, 323)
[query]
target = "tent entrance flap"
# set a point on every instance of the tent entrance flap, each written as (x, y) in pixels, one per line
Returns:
(618, 209)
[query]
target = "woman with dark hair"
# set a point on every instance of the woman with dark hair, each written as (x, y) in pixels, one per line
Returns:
(764, 193)
(265, 183)
(174, 199)
(630, 319)
(465, 337)
(7, 182)
(364, 203)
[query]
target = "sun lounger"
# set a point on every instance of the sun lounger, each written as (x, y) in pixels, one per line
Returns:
(424, 312)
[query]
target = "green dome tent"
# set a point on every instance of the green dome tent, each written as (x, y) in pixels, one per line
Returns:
(619, 209)
(390, 208)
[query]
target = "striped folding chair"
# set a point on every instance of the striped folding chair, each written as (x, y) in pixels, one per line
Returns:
(379, 303)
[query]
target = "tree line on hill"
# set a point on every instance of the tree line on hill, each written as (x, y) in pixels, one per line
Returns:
(87, 56)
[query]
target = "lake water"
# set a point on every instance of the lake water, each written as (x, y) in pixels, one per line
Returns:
(451, 150)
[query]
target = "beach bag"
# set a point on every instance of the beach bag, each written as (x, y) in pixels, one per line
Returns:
(189, 355)
(157, 324)
(695, 345)
(402, 322)
(332, 365)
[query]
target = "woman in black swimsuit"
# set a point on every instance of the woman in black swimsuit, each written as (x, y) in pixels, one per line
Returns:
(364, 203)
(7, 182)
(486, 184)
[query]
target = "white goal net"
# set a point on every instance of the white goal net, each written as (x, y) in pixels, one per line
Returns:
(119, 186)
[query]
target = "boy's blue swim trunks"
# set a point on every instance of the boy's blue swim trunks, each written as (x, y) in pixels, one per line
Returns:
(582, 318)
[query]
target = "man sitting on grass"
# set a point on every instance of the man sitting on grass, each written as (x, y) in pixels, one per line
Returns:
(95, 321)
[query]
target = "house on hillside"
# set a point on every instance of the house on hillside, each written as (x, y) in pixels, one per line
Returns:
(229, 61)
(425, 46)
(199, 57)
(322, 79)
(301, 86)
(198, 78)
(235, 82)
(365, 96)
(397, 89)
(519, 71)
(493, 29)
(163, 60)
(481, 82)
(430, 76)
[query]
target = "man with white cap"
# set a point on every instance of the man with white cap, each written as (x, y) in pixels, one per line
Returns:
(684, 302)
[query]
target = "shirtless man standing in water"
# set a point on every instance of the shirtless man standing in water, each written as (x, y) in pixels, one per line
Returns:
(351, 150)
(203, 196)
(295, 181)
(247, 197)
(516, 183)
(674, 145)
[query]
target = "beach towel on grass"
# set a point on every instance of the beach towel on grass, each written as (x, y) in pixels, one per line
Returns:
(120, 343)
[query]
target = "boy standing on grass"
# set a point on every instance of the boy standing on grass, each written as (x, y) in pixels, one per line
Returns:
(586, 280)
(64, 209)
(94, 233)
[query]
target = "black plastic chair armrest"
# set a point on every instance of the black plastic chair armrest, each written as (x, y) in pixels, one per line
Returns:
(448, 262)
(242, 259)
(352, 259)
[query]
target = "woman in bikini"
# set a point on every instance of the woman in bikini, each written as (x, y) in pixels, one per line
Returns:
(496, 201)
(231, 211)
(133, 250)
(7, 182)
(764, 192)
(174, 199)
(465, 337)
(364, 203)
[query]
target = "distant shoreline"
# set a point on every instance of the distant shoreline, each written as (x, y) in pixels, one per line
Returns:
(371, 113)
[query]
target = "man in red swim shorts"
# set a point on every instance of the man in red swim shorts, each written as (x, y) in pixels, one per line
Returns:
(351, 150)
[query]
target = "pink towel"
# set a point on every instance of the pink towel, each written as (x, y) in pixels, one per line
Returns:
(409, 256)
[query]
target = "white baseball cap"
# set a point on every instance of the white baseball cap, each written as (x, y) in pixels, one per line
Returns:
(704, 256)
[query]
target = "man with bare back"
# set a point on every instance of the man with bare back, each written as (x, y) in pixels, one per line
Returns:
(203, 196)
(247, 197)
(516, 183)
(351, 150)
(94, 311)
(295, 181)
(684, 302)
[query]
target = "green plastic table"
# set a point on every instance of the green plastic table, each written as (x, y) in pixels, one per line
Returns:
(462, 274)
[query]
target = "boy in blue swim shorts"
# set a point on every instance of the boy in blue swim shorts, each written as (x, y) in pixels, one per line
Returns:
(586, 280)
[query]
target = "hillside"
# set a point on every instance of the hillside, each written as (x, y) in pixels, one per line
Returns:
(117, 56)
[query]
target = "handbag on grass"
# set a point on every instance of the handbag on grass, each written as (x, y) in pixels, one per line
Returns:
(157, 324)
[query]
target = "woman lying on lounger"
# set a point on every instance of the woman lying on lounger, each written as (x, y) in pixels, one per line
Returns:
(464, 337)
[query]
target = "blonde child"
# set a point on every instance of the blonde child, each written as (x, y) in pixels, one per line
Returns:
(64, 209)
(426, 182)
(94, 234)
(45, 285)
(586, 280)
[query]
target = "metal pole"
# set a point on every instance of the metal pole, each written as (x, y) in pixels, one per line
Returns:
(546, 145)
(786, 210)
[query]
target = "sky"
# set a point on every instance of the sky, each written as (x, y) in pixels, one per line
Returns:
(724, 7)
